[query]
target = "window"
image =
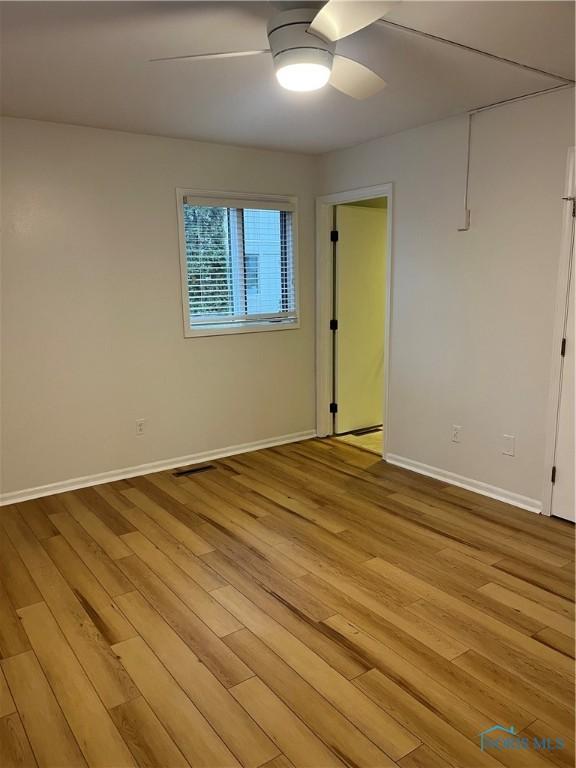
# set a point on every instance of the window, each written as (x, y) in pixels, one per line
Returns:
(237, 264)
(251, 265)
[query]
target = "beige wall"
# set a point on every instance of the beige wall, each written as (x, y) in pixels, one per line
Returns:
(92, 320)
(472, 312)
(92, 330)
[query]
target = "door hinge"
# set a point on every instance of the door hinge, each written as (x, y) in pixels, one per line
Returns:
(563, 347)
(333, 407)
(573, 201)
(334, 236)
(553, 477)
(333, 325)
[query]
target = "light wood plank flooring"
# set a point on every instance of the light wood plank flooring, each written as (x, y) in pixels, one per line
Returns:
(305, 606)
(369, 441)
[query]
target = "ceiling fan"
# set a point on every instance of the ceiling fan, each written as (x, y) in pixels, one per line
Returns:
(303, 47)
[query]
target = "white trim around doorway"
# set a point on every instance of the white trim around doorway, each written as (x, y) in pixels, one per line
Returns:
(324, 206)
(565, 274)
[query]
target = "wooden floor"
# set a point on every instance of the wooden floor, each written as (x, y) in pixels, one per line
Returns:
(306, 605)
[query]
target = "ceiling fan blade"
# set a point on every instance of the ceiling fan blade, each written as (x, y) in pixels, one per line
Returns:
(340, 18)
(205, 56)
(354, 79)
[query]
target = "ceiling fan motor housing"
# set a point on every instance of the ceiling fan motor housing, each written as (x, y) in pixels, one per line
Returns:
(292, 43)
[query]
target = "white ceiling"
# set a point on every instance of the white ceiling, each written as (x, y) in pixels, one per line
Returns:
(87, 63)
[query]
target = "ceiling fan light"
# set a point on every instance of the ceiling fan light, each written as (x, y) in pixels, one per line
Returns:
(303, 69)
(303, 76)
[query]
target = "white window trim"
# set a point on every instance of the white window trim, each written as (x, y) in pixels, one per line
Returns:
(240, 200)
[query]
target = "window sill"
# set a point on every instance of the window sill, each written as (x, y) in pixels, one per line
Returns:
(226, 330)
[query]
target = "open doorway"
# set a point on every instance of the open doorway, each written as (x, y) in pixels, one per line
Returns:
(354, 307)
(359, 277)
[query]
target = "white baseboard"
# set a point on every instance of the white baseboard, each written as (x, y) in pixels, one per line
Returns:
(517, 500)
(144, 469)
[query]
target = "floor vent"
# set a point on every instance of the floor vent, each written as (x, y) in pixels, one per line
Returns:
(193, 470)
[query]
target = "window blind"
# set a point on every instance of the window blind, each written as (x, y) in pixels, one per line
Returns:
(239, 263)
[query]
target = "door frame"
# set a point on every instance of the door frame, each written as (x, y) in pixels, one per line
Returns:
(324, 277)
(566, 273)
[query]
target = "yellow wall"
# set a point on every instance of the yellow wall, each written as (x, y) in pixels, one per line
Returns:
(376, 202)
(361, 313)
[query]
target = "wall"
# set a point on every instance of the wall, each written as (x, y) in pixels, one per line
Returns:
(472, 313)
(92, 330)
(92, 319)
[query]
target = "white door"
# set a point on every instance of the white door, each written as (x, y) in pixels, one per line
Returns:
(563, 495)
(360, 309)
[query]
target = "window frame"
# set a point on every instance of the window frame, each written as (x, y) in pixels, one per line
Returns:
(239, 200)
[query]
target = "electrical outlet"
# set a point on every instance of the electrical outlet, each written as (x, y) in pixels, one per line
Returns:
(456, 430)
(140, 425)
(508, 445)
